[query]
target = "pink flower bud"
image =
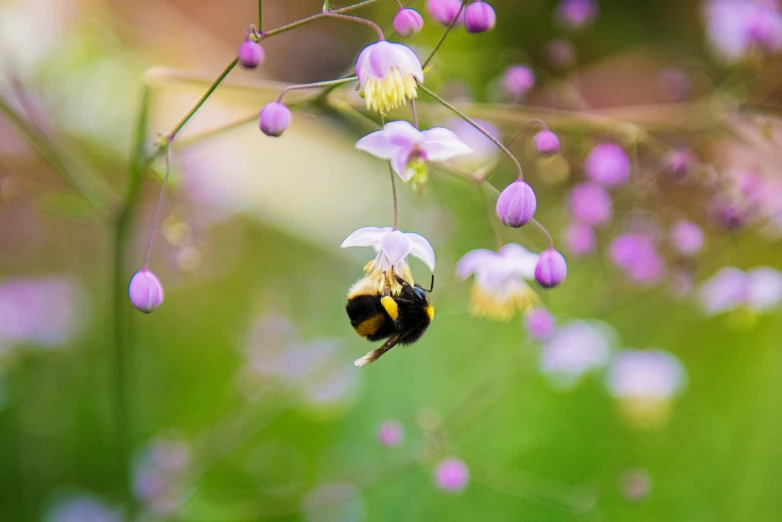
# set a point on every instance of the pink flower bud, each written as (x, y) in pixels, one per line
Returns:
(687, 238)
(608, 165)
(518, 79)
(551, 269)
(444, 11)
(391, 433)
(407, 22)
(680, 162)
(479, 17)
(275, 118)
(451, 475)
(145, 291)
(516, 204)
(546, 142)
(540, 324)
(250, 54)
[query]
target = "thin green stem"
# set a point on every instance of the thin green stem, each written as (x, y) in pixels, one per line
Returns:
(158, 207)
(172, 134)
(315, 85)
(545, 232)
(472, 122)
(314, 17)
(393, 192)
(415, 112)
(359, 20)
(445, 35)
(260, 16)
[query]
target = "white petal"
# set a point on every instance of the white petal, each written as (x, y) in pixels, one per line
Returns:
(403, 133)
(399, 163)
(408, 62)
(422, 249)
(379, 144)
(367, 236)
(474, 261)
(519, 260)
(442, 144)
(395, 245)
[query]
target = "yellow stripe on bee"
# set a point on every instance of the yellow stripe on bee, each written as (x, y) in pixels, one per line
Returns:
(430, 312)
(391, 307)
(370, 326)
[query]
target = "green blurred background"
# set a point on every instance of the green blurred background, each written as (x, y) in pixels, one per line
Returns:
(250, 237)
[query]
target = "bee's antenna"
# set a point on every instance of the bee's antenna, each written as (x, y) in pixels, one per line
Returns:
(431, 285)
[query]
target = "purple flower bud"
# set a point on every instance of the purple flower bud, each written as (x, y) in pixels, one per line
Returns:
(250, 54)
(516, 204)
(518, 79)
(636, 254)
(729, 211)
(146, 292)
(551, 269)
(275, 118)
(580, 238)
(407, 22)
(391, 433)
(608, 165)
(687, 238)
(451, 475)
(560, 53)
(444, 11)
(540, 324)
(546, 142)
(479, 17)
(576, 14)
(590, 204)
(680, 162)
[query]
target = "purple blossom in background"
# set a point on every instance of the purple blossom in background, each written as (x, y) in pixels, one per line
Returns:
(736, 27)
(765, 289)
(479, 17)
(484, 151)
(560, 54)
(546, 142)
(83, 508)
(590, 204)
(47, 311)
(579, 238)
(333, 502)
(635, 253)
(687, 238)
(675, 85)
(540, 324)
(444, 11)
(391, 433)
(159, 473)
(645, 374)
(608, 165)
(517, 80)
(451, 475)
(576, 14)
(575, 350)
(680, 162)
(636, 484)
(726, 290)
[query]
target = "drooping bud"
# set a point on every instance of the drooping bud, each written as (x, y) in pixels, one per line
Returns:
(479, 17)
(444, 11)
(407, 22)
(275, 118)
(145, 291)
(546, 142)
(516, 204)
(608, 165)
(451, 475)
(551, 269)
(250, 54)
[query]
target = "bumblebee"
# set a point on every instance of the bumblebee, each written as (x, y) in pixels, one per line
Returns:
(402, 318)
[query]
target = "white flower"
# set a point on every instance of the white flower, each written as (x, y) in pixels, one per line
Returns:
(388, 74)
(500, 286)
(405, 146)
(576, 349)
(645, 374)
(392, 247)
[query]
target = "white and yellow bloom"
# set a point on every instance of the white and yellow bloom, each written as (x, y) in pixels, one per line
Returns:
(392, 247)
(388, 74)
(500, 286)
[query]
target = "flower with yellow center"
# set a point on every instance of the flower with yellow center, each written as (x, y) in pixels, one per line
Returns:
(500, 287)
(388, 74)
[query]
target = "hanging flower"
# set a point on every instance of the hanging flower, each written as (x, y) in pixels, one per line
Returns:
(388, 74)
(500, 287)
(409, 149)
(392, 247)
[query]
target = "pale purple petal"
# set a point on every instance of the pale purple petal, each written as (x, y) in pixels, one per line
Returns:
(388, 143)
(399, 163)
(475, 260)
(648, 374)
(421, 249)
(442, 144)
(396, 245)
(519, 260)
(765, 288)
(367, 236)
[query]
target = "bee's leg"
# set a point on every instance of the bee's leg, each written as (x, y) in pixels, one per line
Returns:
(407, 290)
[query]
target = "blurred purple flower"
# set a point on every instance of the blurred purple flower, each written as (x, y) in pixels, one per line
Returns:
(560, 54)
(724, 291)
(574, 350)
(47, 311)
(451, 475)
(159, 474)
(608, 165)
(444, 11)
(479, 17)
(687, 238)
(675, 85)
(83, 508)
(590, 204)
(736, 27)
(333, 502)
(546, 142)
(388, 74)
(517, 80)
(636, 484)
(576, 14)
(635, 253)
(579, 238)
(391, 433)
(484, 150)
(500, 287)
(765, 289)
(407, 147)
(540, 324)
(680, 162)
(645, 374)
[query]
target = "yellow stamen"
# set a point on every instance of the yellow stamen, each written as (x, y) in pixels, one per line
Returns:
(389, 92)
(500, 306)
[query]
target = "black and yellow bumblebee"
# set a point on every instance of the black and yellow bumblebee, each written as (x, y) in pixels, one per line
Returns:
(401, 318)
